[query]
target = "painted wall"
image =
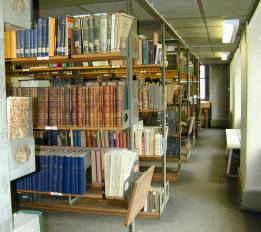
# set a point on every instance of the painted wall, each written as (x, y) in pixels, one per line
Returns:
(250, 164)
(235, 91)
(219, 95)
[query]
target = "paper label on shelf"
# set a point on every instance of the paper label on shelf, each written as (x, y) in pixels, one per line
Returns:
(143, 71)
(56, 194)
(51, 128)
(115, 66)
(43, 58)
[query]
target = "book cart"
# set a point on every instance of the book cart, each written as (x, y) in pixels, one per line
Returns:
(93, 201)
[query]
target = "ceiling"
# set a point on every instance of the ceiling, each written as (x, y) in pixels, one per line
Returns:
(198, 22)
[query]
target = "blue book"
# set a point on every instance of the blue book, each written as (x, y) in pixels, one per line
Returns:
(42, 188)
(50, 172)
(72, 175)
(111, 139)
(62, 42)
(82, 172)
(39, 37)
(21, 38)
(27, 43)
(33, 182)
(144, 51)
(60, 172)
(18, 44)
(66, 171)
(78, 138)
(55, 174)
(31, 43)
(45, 173)
(34, 44)
(45, 37)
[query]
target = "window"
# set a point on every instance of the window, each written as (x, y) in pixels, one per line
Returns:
(203, 82)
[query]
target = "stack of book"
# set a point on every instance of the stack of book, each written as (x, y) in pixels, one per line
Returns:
(148, 142)
(96, 104)
(77, 138)
(118, 166)
(59, 169)
(149, 50)
(70, 35)
(172, 91)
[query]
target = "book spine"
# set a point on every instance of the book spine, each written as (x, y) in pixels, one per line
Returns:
(74, 106)
(109, 28)
(103, 32)
(53, 106)
(91, 106)
(119, 105)
(77, 36)
(87, 109)
(22, 43)
(79, 103)
(27, 43)
(18, 44)
(34, 45)
(39, 37)
(67, 105)
(85, 39)
(96, 33)
(144, 52)
(90, 34)
(106, 105)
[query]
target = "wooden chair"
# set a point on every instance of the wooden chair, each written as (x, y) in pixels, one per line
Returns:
(138, 198)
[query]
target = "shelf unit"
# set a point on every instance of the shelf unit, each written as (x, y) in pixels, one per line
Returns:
(93, 203)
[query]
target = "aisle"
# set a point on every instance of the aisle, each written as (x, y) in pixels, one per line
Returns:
(204, 200)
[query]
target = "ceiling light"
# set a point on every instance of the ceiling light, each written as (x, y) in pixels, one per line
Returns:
(225, 55)
(230, 30)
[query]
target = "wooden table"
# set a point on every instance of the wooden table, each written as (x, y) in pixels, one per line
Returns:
(205, 106)
(233, 137)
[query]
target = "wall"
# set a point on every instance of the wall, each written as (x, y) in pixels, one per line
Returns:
(235, 91)
(218, 95)
(250, 164)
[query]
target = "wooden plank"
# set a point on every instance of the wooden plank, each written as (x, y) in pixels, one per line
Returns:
(232, 138)
(86, 206)
(80, 128)
(150, 111)
(139, 195)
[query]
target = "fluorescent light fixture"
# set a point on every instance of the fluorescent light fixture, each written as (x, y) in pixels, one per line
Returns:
(225, 55)
(230, 30)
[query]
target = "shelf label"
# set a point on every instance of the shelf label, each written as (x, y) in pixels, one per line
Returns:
(143, 71)
(43, 58)
(51, 128)
(115, 66)
(56, 194)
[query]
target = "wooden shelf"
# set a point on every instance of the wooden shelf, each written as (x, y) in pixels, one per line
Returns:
(92, 193)
(150, 111)
(158, 158)
(172, 177)
(86, 206)
(66, 59)
(79, 128)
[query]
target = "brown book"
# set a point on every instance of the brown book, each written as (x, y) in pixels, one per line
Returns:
(67, 106)
(53, 106)
(58, 107)
(79, 103)
(87, 121)
(74, 106)
(96, 105)
(33, 95)
(62, 113)
(88, 139)
(119, 104)
(106, 105)
(42, 107)
(68, 34)
(101, 106)
(91, 105)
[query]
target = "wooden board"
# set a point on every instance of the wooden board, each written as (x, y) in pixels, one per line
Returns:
(233, 139)
(139, 195)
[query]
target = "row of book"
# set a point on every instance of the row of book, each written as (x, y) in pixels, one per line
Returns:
(149, 142)
(151, 96)
(154, 200)
(76, 138)
(59, 169)
(70, 35)
(149, 51)
(65, 170)
(95, 104)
